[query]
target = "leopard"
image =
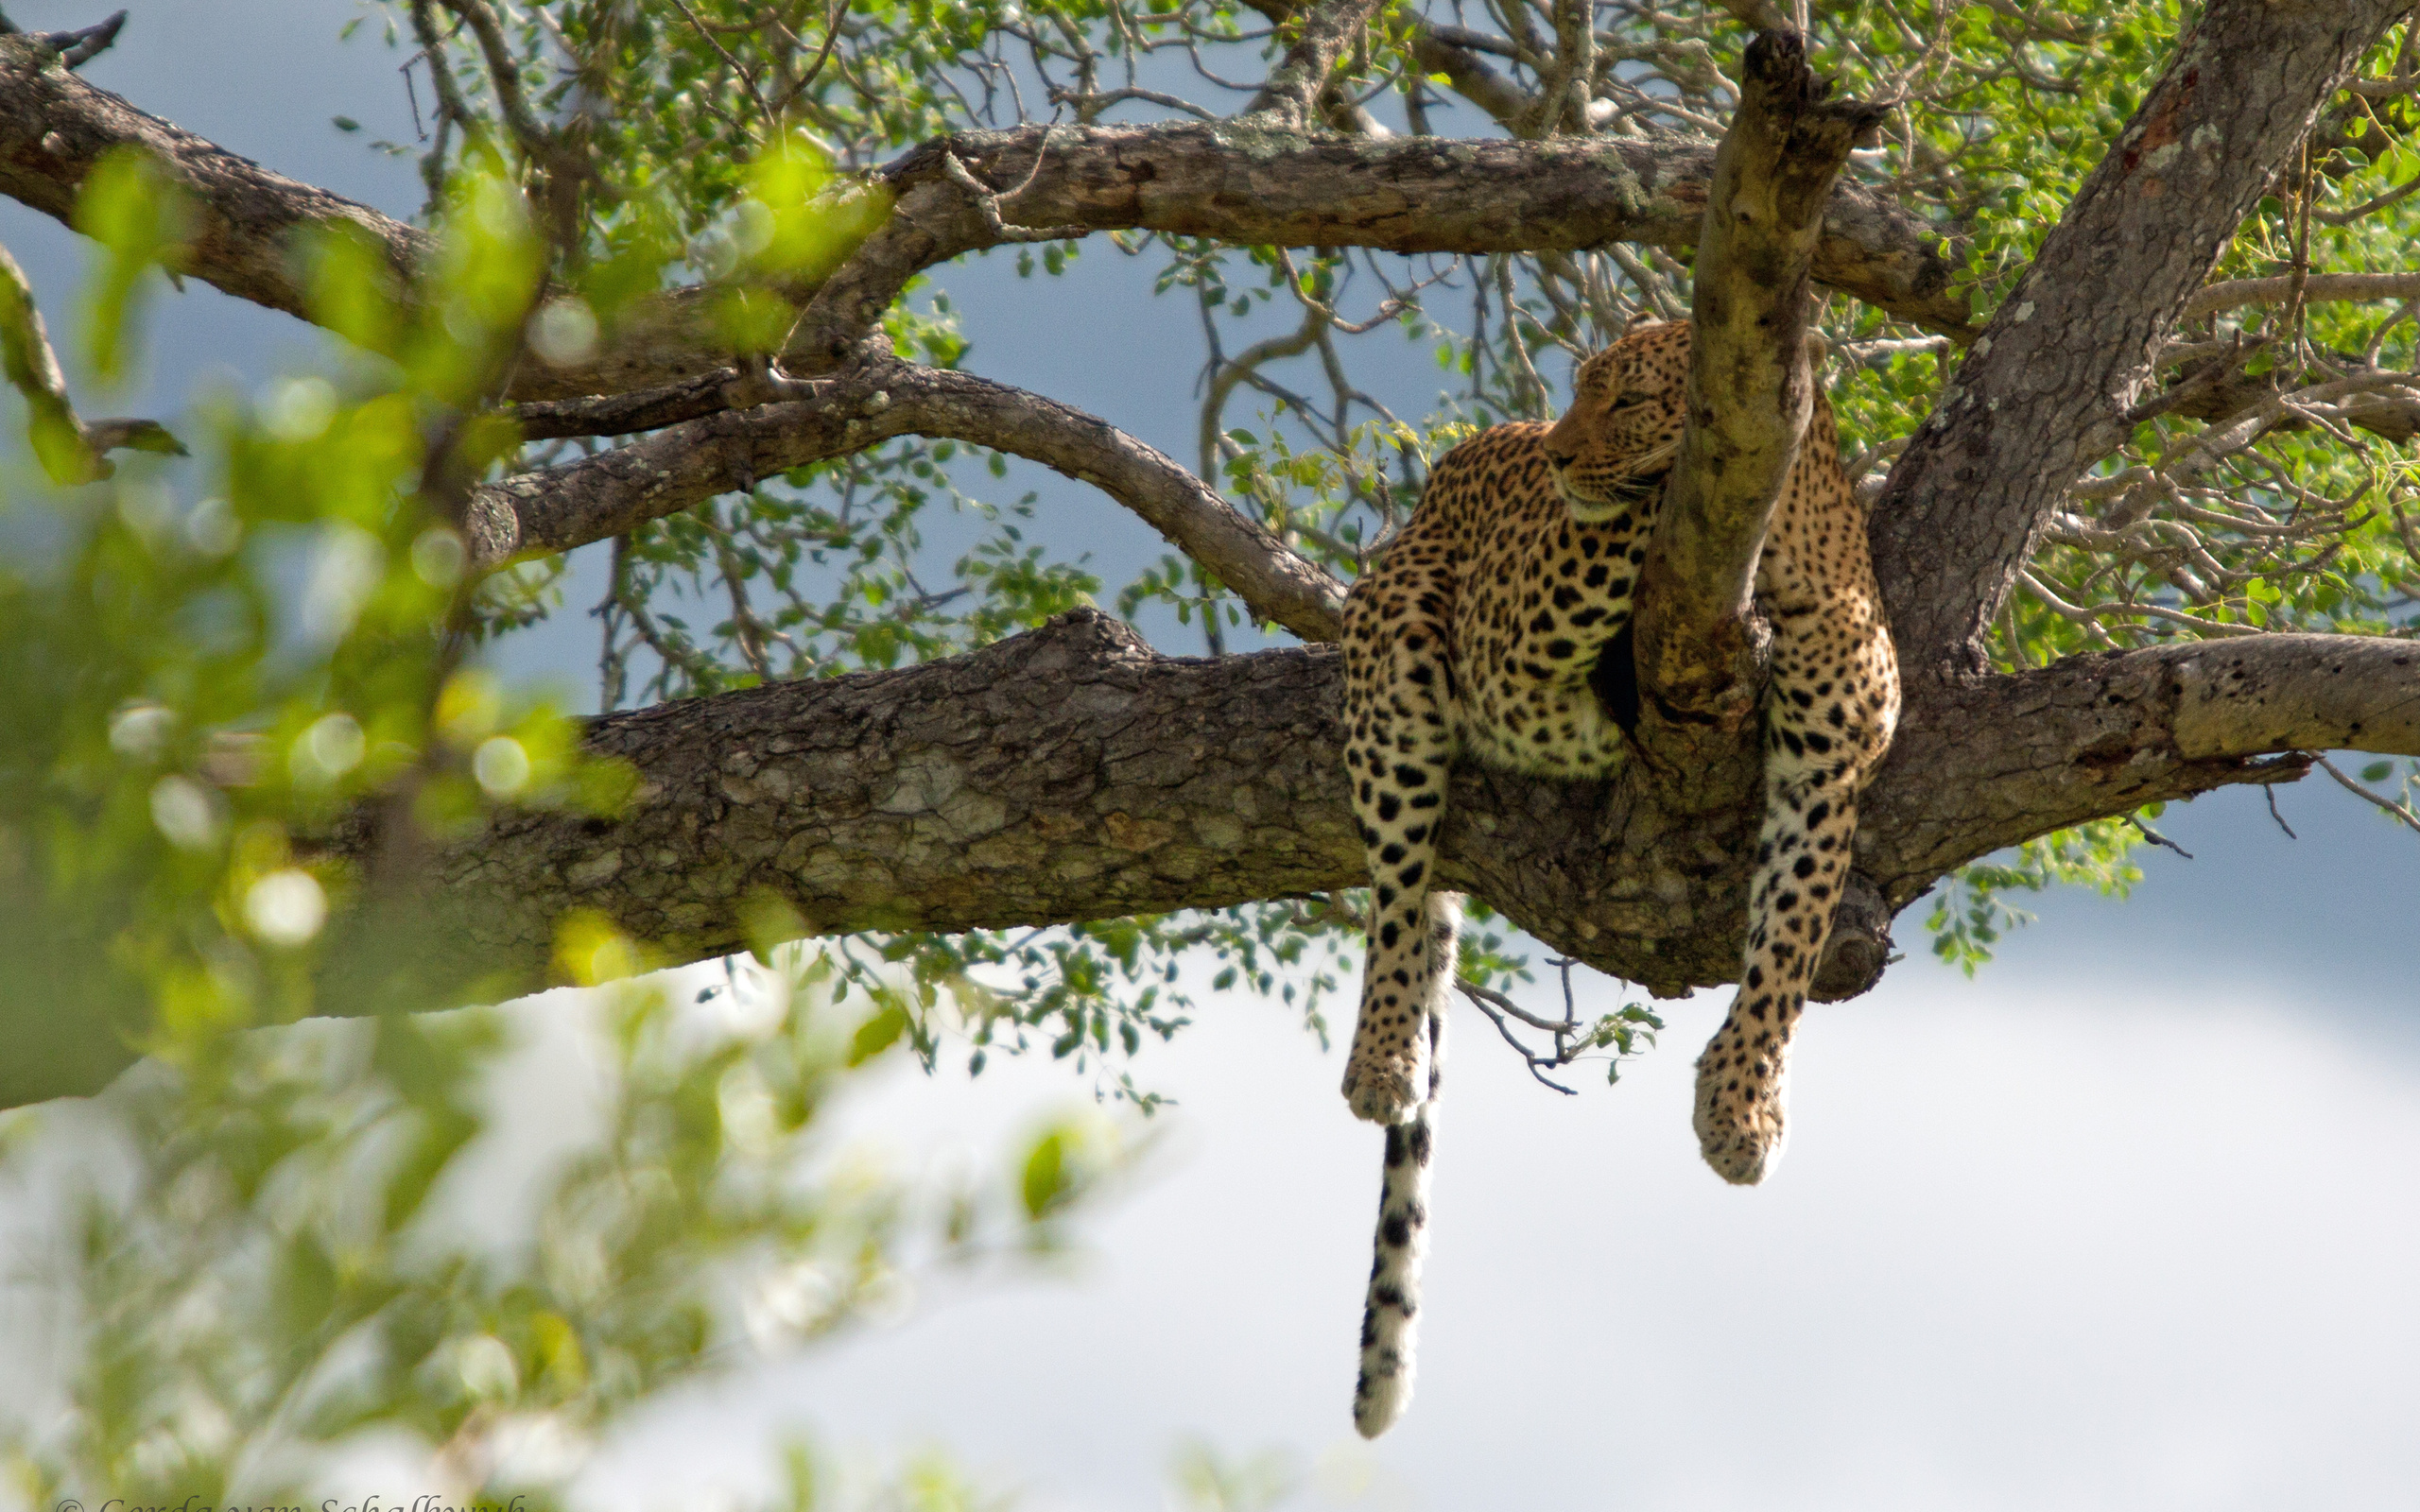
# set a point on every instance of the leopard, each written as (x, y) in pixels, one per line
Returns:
(1496, 628)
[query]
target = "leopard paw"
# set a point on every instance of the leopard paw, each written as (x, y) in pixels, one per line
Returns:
(1381, 1090)
(1742, 1120)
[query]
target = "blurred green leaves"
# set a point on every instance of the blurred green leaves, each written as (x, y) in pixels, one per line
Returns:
(138, 218)
(342, 1229)
(210, 666)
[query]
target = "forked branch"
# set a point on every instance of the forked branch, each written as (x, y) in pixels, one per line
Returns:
(1327, 30)
(1249, 182)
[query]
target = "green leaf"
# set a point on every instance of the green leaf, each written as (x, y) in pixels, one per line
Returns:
(1046, 1185)
(877, 1034)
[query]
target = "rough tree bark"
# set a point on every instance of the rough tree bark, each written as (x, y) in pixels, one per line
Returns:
(1073, 773)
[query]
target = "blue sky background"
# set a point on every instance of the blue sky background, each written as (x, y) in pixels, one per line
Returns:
(2126, 1222)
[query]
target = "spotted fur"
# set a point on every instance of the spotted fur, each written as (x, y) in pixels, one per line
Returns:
(1496, 628)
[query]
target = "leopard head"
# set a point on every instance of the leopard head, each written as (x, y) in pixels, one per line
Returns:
(1614, 447)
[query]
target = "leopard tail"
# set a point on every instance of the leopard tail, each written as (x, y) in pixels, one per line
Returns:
(1391, 1317)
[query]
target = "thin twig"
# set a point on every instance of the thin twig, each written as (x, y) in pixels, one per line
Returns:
(2401, 811)
(2270, 790)
(2156, 838)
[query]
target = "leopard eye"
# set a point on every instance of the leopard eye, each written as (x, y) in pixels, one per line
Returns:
(1626, 401)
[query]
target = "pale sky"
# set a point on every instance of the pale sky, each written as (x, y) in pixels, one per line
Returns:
(2138, 1242)
(2128, 1222)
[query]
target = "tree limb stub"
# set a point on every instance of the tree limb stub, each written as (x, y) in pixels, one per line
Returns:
(600, 497)
(70, 449)
(1073, 773)
(1248, 182)
(1750, 396)
(1327, 30)
(2065, 356)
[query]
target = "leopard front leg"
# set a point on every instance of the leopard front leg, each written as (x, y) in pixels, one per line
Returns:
(1397, 754)
(1801, 863)
(1830, 714)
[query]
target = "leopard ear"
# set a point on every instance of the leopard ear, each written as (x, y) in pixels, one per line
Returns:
(1641, 318)
(1818, 348)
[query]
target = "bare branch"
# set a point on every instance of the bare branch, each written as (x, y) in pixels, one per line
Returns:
(79, 48)
(2239, 292)
(2398, 811)
(1469, 76)
(677, 466)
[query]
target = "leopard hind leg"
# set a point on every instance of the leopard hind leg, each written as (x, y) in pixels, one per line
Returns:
(1390, 1316)
(1801, 863)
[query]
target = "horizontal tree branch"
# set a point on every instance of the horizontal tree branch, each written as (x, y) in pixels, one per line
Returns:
(557, 508)
(1245, 181)
(1073, 773)
(2047, 387)
(1241, 182)
(2236, 293)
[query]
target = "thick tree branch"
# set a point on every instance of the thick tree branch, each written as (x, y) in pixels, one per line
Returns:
(2047, 388)
(1244, 182)
(1073, 773)
(557, 508)
(1750, 392)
